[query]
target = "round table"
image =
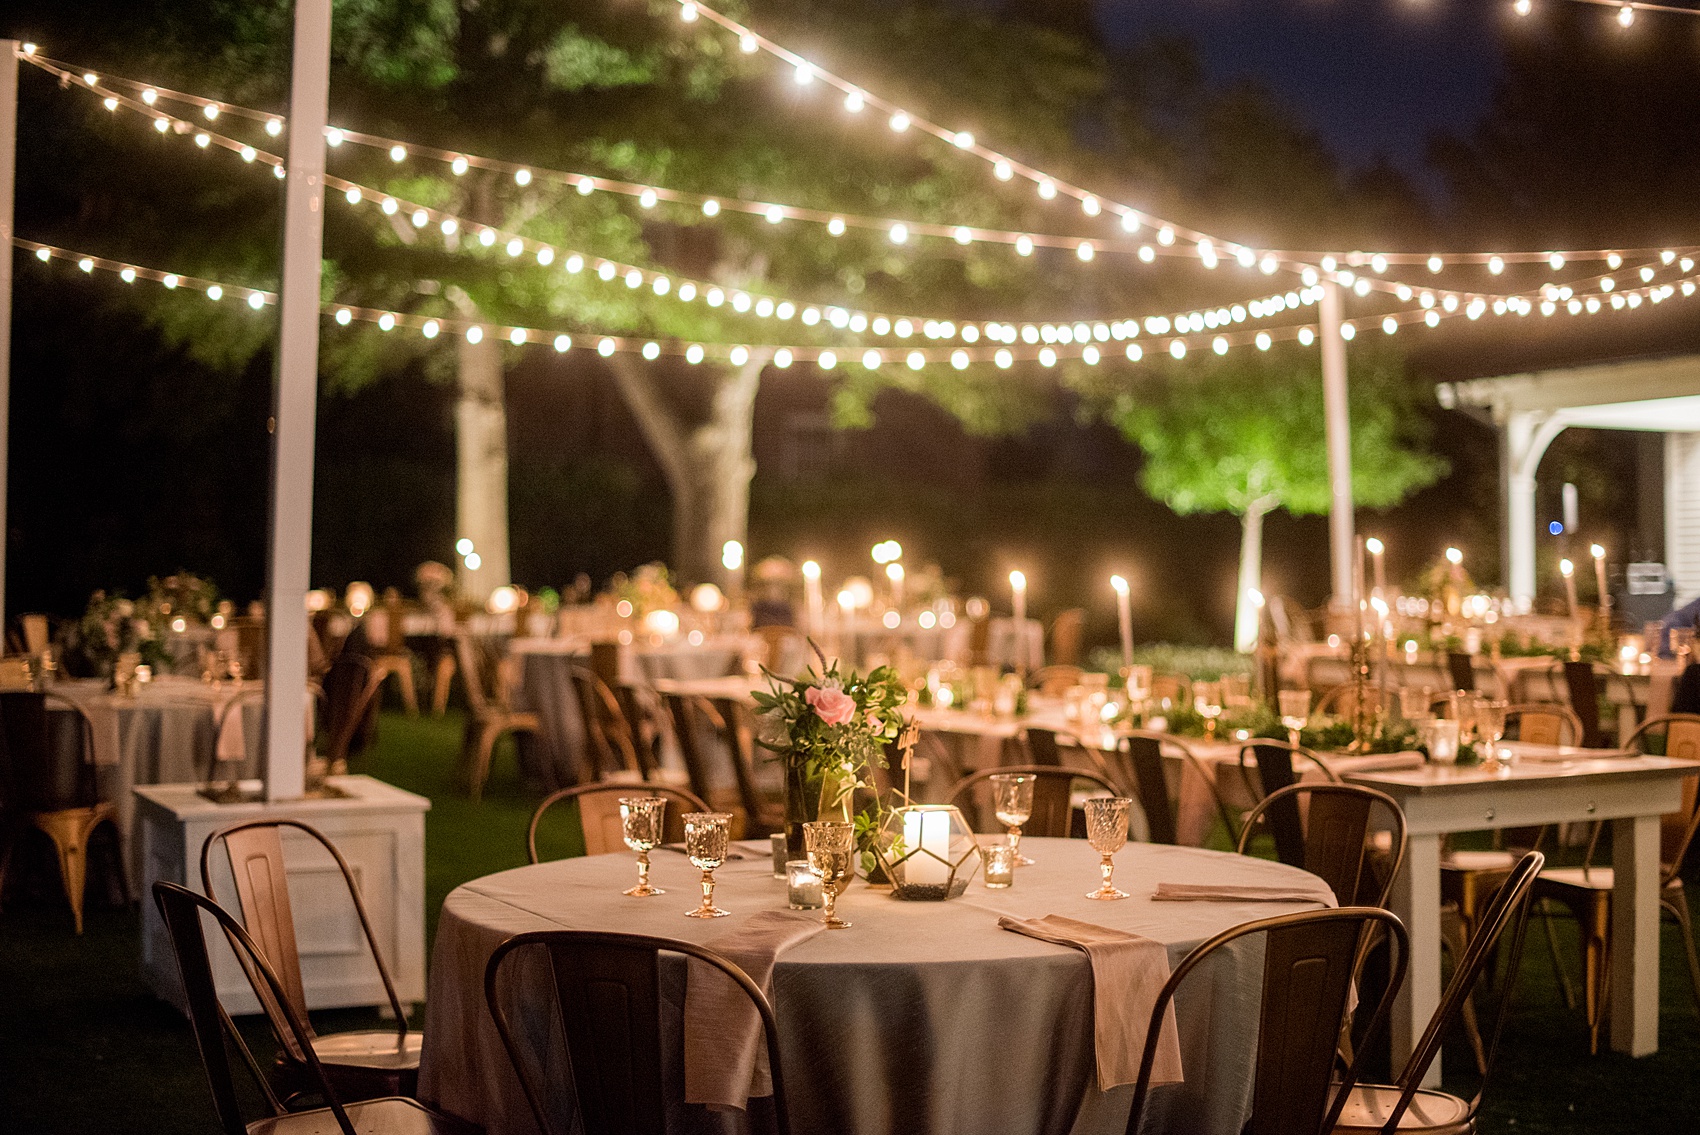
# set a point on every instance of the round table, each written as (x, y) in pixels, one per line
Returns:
(921, 1018)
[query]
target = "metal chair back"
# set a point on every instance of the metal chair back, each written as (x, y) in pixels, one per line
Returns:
(1681, 734)
(612, 744)
(1325, 829)
(608, 995)
(1309, 961)
(1053, 797)
(1584, 687)
(1461, 668)
(181, 909)
(255, 851)
(1544, 723)
(1147, 776)
(599, 814)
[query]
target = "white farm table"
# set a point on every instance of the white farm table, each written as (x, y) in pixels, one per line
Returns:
(1546, 784)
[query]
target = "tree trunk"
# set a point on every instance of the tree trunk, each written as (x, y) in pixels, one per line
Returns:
(705, 452)
(481, 453)
(1247, 606)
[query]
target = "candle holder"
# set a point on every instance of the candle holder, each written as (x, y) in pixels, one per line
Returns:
(927, 851)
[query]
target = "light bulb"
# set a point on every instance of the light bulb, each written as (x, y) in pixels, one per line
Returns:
(563, 344)
(1002, 171)
(647, 199)
(386, 322)
(827, 360)
(963, 235)
(803, 75)
(1024, 245)
(1556, 260)
(398, 153)
(1047, 188)
(688, 13)
(1625, 16)
(214, 293)
(835, 226)
(344, 316)
(899, 233)
(459, 166)
(1003, 358)
(747, 43)
(1435, 264)
(899, 122)
(274, 127)
(963, 140)
(1522, 7)
(652, 351)
(854, 102)
(1496, 265)
(916, 360)
(606, 347)
(475, 334)
(1085, 251)
(517, 336)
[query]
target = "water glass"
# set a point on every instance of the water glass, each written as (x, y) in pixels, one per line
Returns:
(1440, 737)
(1295, 711)
(1415, 704)
(641, 820)
(706, 837)
(999, 861)
(1106, 831)
(1207, 700)
(1012, 802)
(802, 885)
(832, 852)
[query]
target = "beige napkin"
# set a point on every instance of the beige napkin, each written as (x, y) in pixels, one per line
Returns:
(1128, 972)
(725, 1052)
(103, 725)
(1242, 892)
(232, 741)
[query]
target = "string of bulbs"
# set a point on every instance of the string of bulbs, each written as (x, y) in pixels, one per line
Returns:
(829, 358)
(1210, 251)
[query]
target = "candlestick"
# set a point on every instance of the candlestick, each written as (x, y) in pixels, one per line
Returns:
(894, 573)
(1376, 548)
(1599, 554)
(814, 604)
(1124, 614)
(1018, 593)
(1568, 571)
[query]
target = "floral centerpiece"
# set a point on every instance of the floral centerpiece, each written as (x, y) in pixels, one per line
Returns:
(180, 595)
(111, 625)
(647, 589)
(831, 728)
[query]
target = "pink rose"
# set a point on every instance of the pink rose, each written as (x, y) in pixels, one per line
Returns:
(834, 705)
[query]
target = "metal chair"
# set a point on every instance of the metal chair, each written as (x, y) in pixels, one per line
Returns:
(489, 714)
(1541, 723)
(1309, 961)
(1342, 701)
(1461, 668)
(1325, 829)
(693, 716)
(361, 1064)
(39, 797)
(1143, 775)
(181, 910)
(1406, 1106)
(1587, 890)
(1053, 796)
(608, 994)
(1274, 769)
(599, 814)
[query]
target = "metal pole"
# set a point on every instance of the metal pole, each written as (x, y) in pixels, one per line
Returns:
(9, 49)
(1341, 530)
(294, 399)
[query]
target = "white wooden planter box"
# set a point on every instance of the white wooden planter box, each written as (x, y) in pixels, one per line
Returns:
(379, 829)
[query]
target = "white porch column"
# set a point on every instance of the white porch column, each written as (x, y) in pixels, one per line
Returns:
(1342, 538)
(1528, 433)
(294, 400)
(8, 177)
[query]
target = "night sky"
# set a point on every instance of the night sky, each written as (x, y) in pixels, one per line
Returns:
(1373, 77)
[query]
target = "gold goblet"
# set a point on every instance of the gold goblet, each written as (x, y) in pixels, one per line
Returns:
(641, 819)
(1013, 806)
(1106, 831)
(832, 851)
(706, 834)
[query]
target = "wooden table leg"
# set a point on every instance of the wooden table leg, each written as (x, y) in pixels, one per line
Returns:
(1416, 900)
(1634, 1003)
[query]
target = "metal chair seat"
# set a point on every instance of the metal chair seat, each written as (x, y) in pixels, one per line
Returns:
(369, 1117)
(1433, 1113)
(372, 1048)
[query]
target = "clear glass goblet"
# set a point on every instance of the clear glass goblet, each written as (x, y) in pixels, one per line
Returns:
(1106, 831)
(1295, 711)
(706, 836)
(641, 821)
(831, 845)
(1012, 803)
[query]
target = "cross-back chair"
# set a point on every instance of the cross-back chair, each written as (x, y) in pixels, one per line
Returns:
(181, 910)
(599, 814)
(1543, 723)
(490, 713)
(608, 1000)
(1309, 962)
(361, 1064)
(1326, 830)
(1139, 765)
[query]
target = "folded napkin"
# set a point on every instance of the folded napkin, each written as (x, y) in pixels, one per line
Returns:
(106, 749)
(232, 741)
(725, 1053)
(1128, 972)
(1243, 892)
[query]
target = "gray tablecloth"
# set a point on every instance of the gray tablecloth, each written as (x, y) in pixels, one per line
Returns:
(166, 735)
(922, 1018)
(554, 755)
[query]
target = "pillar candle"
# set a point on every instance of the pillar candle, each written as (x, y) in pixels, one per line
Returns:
(1018, 593)
(1568, 570)
(814, 606)
(1124, 615)
(1600, 575)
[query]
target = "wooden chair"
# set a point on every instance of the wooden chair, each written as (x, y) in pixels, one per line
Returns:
(1325, 829)
(1309, 961)
(784, 649)
(1342, 701)
(1587, 890)
(1143, 774)
(1055, 680)
(351, 710)
(1541, 723)
(599, 814)
(390, 656)
(489, 714)
(1066, 632)
(33, 635)
(610, 741)
(38, 798)
(1408, 1107)
(181, 910)
(1168, 690)
(608, 997)
(694, 716)
(360, 1065)
(1053, 797)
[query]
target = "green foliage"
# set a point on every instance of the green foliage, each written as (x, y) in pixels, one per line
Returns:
(830, 740)
(1199, 663)
(1246, 432)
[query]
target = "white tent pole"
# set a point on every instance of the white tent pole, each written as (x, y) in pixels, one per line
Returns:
(1341, 529)
(294, 402)
(8, 229)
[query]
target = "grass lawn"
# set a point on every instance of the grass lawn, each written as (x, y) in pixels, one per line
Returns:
(84, 1048)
